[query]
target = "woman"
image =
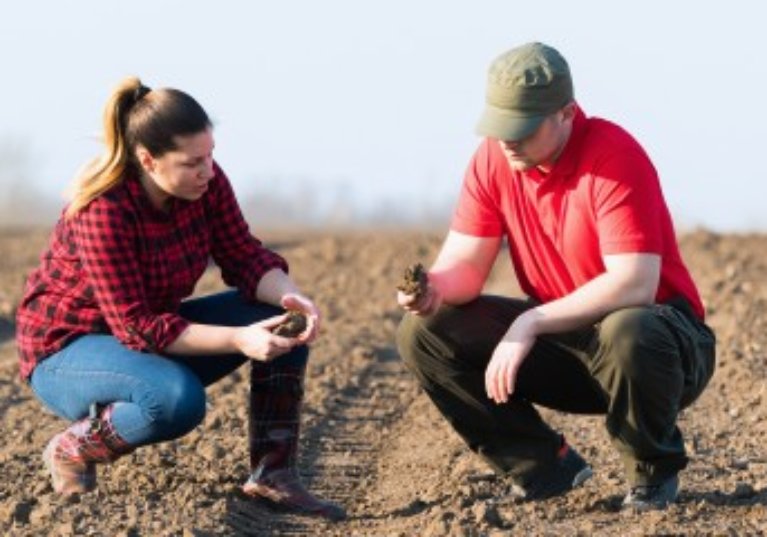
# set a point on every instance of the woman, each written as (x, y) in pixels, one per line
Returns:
(104, 337)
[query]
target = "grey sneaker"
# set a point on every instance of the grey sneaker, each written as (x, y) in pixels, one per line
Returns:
(568, 472)
(649, 497)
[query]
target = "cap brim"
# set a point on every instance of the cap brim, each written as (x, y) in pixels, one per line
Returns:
(506, 124)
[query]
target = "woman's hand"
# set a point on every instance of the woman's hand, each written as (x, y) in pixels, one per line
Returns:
(298, 302)
(256, 341)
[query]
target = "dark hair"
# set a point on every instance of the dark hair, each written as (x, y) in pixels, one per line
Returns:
(137, 116)
(156, 119)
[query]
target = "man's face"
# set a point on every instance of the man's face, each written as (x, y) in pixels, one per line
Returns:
(542, 148)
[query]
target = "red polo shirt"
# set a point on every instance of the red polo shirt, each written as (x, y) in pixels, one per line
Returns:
(602, 197)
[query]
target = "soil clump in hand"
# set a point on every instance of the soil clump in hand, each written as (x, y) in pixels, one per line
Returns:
(414, 281)
(293, 326)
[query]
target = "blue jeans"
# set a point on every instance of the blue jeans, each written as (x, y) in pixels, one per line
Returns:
(156, 398)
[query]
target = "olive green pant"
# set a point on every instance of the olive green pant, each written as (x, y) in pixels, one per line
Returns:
(639, 366)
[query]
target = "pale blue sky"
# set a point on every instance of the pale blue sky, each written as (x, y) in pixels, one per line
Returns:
(379, 100)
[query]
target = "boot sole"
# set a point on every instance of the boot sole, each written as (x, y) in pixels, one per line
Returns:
(278, 503)
(60, 484)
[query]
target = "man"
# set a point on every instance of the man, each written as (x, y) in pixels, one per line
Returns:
(613, 323)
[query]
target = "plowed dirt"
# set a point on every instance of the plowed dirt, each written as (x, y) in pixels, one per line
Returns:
(371, 439)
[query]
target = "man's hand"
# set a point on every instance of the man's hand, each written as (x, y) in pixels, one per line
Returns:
(457, 275)
(501, 372)
(422, 304)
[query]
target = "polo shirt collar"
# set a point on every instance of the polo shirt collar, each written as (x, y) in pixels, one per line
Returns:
(568, 159)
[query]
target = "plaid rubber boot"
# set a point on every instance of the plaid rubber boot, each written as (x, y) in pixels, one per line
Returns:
(71, 456)
(276, 394)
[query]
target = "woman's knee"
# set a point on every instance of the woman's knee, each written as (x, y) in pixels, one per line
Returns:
(228, 308)
(180, 404)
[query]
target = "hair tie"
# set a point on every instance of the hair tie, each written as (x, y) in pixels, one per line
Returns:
(139, 93)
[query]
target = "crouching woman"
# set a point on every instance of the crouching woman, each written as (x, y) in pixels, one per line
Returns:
(107, 337)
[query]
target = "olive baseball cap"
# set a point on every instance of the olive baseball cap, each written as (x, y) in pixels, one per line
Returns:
(524, 85)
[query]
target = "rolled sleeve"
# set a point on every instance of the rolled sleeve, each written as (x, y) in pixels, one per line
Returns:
(106, 240)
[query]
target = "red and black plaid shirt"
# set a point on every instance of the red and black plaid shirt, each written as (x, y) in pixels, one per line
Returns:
(121, 266)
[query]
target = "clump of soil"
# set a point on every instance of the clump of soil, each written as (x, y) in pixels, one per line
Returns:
(414, 280)
(293, 326)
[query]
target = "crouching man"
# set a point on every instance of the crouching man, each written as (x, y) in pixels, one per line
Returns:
(612, 322)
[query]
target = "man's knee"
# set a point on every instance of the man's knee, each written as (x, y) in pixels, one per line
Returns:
(424, 342)
(410, 338)
(406, 337)
(635, 337)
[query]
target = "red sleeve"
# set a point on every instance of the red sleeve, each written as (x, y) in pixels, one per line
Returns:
(242, 257)
(628, 204)
(106, 238)
(478, 211)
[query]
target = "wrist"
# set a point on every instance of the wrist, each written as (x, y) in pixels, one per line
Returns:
(274, 286)
(528, 323)
(435, 283)
(234, 339)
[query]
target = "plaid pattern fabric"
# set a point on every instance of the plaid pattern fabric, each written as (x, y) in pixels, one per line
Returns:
(71, 456)
(276, 393)
(93, 440)
(121, 266)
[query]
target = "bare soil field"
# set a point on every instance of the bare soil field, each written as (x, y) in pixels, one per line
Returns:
(373, 442)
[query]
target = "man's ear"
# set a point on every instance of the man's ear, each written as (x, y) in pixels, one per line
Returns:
(145, 159)
(568, 111)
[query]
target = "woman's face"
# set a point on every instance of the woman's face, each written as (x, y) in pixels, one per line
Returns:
(182, 173)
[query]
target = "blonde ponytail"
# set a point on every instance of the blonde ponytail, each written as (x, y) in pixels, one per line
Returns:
(135, 116)
(108, 170)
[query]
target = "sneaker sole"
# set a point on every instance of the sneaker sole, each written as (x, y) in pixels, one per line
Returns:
(582, 476)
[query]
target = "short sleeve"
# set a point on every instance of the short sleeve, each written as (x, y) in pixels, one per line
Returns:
(628, 204)
(478, 210)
